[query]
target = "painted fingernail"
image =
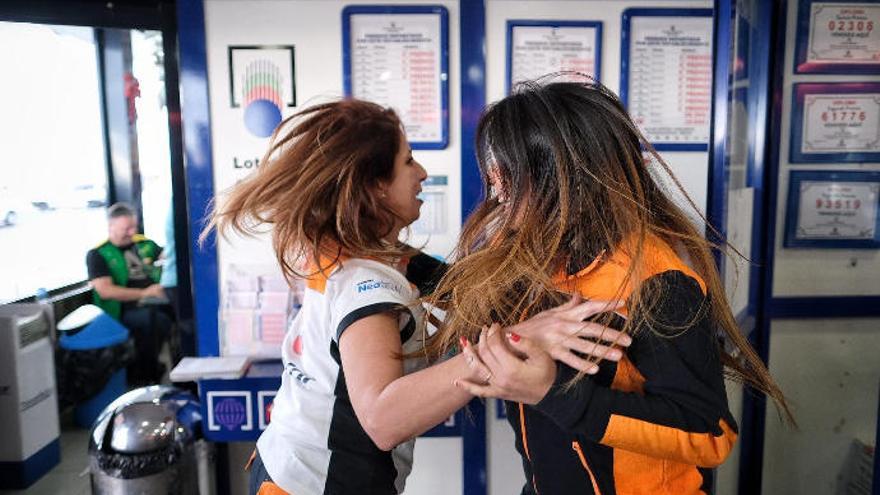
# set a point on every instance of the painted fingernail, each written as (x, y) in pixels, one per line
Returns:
(514, 337)
(593, 370)
(462, 342)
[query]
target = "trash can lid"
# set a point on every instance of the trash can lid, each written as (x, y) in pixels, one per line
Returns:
(102, 331)
(143, 427)
(79, 318)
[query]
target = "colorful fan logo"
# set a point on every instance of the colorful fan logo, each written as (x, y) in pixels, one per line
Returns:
(263, 97)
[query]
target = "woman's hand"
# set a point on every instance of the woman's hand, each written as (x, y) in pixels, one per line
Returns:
(562, 331)
(524, 375)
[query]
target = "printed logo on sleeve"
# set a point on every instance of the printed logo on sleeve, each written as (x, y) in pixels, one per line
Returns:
(370, 284)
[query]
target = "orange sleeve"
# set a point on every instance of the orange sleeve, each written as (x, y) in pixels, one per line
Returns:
(672, 404)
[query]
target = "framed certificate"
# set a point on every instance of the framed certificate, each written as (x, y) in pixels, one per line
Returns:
(397, 56)
(829, 209)
(538, 48)
(666, 75)
(838, 122)
(838, 37)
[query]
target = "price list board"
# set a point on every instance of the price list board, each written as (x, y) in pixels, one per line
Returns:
(539, 48)
(398, 57)
(666, 75)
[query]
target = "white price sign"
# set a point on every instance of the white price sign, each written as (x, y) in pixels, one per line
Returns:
(538, 50)
(396, 60)
(670, 78)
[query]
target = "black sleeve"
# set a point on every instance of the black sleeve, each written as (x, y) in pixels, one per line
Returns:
(374, 309)
(679, 411)
(425, 272)
(96, 265)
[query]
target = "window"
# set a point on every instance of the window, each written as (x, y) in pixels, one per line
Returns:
(154, 152)
(53, 179)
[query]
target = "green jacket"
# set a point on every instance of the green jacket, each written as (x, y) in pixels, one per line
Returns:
(147, 250)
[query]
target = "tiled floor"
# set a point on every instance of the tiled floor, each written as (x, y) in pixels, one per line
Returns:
(70, 476)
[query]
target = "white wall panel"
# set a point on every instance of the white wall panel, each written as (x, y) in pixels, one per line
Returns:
(691, 168)
(816, 272)
(314, 27)
(828, 368)
(829, 371)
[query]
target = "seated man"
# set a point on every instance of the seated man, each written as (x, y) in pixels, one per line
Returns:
(125, 284)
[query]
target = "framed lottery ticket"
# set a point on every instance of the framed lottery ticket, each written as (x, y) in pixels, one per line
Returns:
(829, 209)
(838, 37)
(538, 48)
(397, 56)
(666, 75)
(835, 122)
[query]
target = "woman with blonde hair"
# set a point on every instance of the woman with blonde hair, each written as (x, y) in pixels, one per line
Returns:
(337, 186)
(574, 208)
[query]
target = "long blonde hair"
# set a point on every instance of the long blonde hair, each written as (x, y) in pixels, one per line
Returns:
(314, 187)
(576, 186)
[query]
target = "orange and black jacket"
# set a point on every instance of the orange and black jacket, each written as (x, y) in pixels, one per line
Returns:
(657, 422)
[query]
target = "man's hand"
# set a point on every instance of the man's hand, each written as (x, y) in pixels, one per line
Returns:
(105, 288)
(154, 290)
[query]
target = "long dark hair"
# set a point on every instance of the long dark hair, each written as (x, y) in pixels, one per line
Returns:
(576, 185)
(315, 188)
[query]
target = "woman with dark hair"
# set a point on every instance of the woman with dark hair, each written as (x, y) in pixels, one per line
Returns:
(337, 186)
(574, 208)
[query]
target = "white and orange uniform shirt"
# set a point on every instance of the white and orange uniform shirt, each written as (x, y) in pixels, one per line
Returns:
(314, 443)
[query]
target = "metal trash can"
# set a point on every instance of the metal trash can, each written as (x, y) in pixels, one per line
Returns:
(148, 441)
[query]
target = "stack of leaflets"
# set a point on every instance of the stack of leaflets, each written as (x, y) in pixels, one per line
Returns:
(199, 368)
